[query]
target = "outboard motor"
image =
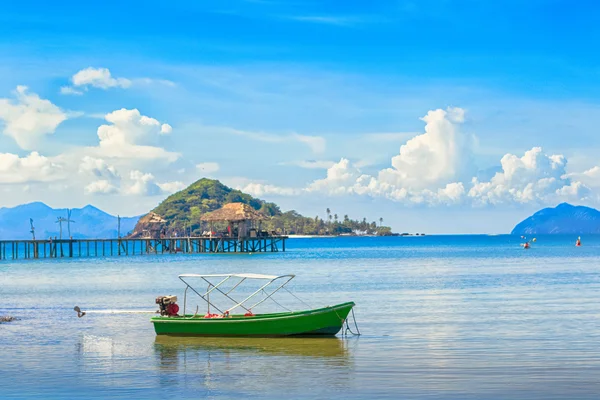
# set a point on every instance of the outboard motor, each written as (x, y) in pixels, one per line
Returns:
(167, 305)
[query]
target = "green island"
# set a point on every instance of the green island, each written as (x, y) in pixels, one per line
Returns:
(181, 212)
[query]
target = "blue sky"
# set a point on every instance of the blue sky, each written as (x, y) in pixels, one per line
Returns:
(306, 103)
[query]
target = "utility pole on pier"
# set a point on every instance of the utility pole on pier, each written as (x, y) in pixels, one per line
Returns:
(119, 226)
(69, 220)
(59, 221)
(32, 228)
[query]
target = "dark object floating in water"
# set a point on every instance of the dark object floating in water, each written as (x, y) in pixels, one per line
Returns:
(79, 312)
(7, 318)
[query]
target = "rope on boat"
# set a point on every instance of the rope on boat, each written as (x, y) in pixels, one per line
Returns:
(297, 298)
(275, 301)
(348, 326)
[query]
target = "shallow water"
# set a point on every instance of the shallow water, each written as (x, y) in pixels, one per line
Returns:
(448, 317)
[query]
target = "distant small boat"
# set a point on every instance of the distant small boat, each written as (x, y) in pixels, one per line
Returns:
(578, 242)
(326, 321)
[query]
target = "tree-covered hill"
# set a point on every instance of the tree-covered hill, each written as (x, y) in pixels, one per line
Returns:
(182, 211)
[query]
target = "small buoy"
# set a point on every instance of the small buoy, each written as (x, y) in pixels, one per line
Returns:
(534, 239)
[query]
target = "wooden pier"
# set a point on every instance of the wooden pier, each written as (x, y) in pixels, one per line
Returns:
(70, 248)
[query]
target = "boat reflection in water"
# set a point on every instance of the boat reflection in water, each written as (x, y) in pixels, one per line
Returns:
(253, 363)
(331, 348)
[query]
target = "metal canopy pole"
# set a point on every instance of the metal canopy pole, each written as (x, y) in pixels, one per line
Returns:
(259, 290)
(272, 293)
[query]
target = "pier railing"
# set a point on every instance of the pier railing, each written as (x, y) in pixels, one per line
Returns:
(58, 248)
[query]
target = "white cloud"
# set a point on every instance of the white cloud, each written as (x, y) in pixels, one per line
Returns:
(165, 129)
(31, 168)
(144, 184)
(439, 156)
(102, 78)
(260, 189)
(208, 167)
(340, 179)
(590, 177)
(70, 90)
(28, 118)
(101, 186)
(171, 187)
(99, 78)
(433, 169)
(98, 168)
(130, 134)
(534, 177)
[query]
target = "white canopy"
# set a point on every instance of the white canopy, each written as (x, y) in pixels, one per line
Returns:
(212, 287)
(244, 276)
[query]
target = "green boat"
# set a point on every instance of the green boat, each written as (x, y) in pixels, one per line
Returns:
(326, 321)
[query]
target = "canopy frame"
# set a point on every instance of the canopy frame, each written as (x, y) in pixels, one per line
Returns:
(212, 287)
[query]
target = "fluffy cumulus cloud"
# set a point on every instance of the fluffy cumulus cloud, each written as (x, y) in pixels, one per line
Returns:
(31, 168)
(534, 177)
(100, 78)
(439, 156)
(144, 184)
(107, 180)
(107, 177)
(130, 134)
(27, 118)
(98, 168)
(435, 168)
(101, 186)
(341, 178)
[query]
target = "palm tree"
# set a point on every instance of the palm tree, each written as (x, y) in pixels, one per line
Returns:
(335, 218)
(380, 221)
(328, 211)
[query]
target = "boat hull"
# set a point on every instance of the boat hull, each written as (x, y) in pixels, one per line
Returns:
(319, 322)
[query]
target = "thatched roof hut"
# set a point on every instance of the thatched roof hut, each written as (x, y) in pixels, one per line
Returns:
(149, 225)
(152, 218)
(233, 212)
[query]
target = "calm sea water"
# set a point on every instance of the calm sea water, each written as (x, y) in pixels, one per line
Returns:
(448, 317)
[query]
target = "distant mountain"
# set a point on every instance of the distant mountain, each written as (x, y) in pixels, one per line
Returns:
(564, 218)
(90, 222)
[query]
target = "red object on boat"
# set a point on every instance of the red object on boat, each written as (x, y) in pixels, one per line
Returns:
(172, 309)
(249, 314)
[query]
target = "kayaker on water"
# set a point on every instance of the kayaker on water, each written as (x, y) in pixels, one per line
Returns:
(578, 242)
